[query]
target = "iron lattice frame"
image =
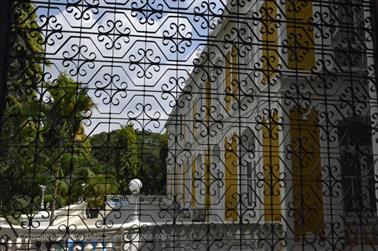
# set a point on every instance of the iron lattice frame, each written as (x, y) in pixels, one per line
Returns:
(252, 124)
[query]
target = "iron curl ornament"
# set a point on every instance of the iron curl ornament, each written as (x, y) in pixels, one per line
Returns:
(252, 125)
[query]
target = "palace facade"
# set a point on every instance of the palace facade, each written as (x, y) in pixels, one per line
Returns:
(277, 123)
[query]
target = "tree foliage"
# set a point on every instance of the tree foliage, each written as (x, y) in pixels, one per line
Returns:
(20, 123)
(43, 140)
(133, 154)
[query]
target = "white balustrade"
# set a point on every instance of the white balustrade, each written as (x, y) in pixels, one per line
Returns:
(109, 246)
(21, 243)
(10, 244)
(88, 247)
(78, 247)
(99, 246)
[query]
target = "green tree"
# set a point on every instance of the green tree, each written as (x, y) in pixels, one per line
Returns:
(118, 150)
(42, 142)
(98, 187)
(153, 162)
(68, 106)
(128, 164)
(133, 154)
(20, 121)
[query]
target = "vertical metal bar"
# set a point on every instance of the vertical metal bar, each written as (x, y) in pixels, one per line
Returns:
(5, 22)
(374, 16)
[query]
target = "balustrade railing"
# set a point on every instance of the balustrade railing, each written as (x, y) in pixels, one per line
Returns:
(146, 236)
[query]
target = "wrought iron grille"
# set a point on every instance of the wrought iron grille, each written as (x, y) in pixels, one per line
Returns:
(251, 124)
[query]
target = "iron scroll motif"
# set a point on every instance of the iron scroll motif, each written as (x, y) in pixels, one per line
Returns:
(251, 124)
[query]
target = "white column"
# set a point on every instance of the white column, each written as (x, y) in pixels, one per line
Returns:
(287, 219)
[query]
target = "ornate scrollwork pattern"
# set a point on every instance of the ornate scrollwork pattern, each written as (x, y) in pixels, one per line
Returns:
(252, 125)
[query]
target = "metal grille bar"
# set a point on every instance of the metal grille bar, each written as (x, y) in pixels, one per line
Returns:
(188, 125)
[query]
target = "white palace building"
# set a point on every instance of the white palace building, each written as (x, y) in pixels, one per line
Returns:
(277, 122)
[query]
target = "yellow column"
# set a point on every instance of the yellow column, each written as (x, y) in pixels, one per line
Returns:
(271, 169)
(269, 36)
(207, 180)
(231, 178)
(300, 34)
(307, 184)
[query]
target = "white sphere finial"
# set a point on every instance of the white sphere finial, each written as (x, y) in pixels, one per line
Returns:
(43, 188)
(135, 185)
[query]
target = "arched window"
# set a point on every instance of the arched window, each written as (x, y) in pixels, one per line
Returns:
(188, 180)
(200, 182)
(248, 167)
(218, 184)
(355, 146)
